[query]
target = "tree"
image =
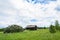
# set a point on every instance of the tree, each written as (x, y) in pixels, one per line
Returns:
(13, 28)
(52, 29)
(57, 25)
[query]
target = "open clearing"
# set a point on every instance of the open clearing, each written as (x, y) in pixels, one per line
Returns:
(40, 34)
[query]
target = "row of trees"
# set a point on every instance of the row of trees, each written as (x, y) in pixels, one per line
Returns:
(54, 28)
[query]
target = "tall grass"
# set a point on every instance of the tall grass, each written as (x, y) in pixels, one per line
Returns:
(41, 34)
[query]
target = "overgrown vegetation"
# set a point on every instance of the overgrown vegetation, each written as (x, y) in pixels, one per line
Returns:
(40, 34)
(57, 26)
(52, 29)
(17, 28)
(13, 28)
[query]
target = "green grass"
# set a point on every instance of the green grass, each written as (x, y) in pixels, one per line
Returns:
(41, 34)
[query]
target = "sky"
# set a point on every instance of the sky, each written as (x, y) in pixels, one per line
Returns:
(29, 12)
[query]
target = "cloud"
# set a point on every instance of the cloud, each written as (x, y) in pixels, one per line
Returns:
(57, 8)
(34, 20)
(20, 12)
(40, 1)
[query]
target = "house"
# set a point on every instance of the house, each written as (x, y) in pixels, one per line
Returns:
(31, 27)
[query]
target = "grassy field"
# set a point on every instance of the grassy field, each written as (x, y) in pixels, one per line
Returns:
(41, 34)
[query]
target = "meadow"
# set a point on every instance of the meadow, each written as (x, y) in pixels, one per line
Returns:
(40, 34)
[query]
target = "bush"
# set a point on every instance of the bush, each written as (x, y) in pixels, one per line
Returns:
(13, 28)
(52, 29)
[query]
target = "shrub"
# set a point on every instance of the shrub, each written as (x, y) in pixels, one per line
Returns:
(52, 29)
(13, 28)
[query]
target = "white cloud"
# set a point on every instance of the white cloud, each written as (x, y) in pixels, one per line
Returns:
(21, 12)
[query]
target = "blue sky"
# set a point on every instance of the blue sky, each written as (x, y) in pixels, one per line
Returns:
(29, 12)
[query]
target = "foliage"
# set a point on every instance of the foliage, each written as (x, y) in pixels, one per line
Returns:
(13, 28)
(52, 29)
(57, 25)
